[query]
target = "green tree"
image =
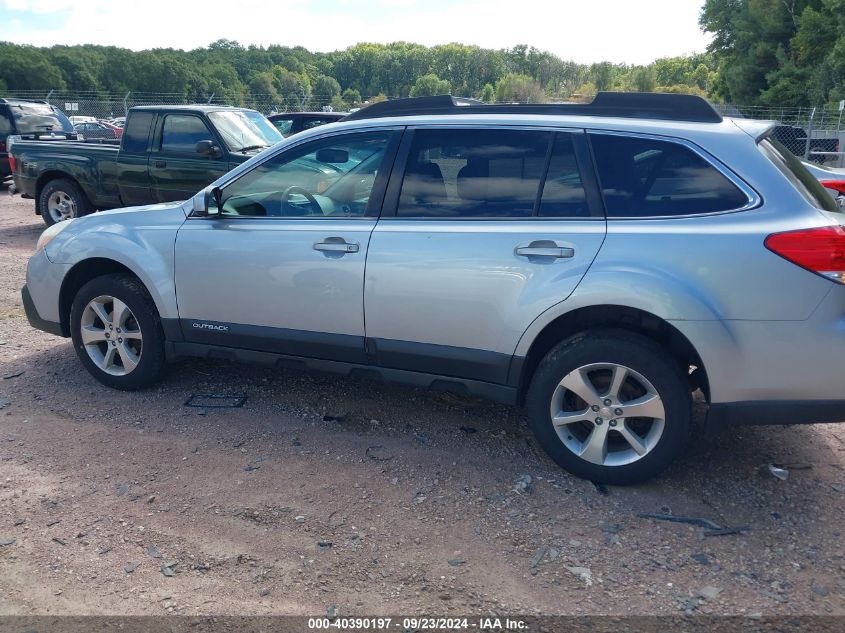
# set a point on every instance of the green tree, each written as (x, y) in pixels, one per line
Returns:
(429, 85)
(520, 89)
(488, 93)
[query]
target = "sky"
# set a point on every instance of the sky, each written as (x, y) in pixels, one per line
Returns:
(585, 31)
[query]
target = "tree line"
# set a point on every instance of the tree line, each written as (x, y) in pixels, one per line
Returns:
(777, 52)
(295, 78)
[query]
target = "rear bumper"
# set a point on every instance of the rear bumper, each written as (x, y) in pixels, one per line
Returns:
(35, 319)
(725, 414)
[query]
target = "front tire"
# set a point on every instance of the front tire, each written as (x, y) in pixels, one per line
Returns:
(117, 332)
(610, 406)
(61, 200)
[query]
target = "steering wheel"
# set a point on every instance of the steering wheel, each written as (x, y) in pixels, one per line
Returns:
(303, 192)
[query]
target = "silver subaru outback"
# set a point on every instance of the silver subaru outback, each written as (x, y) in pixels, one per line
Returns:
(595, 263)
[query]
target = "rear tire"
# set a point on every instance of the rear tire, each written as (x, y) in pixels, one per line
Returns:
(117, 333)
(597, 436)
(62, 199)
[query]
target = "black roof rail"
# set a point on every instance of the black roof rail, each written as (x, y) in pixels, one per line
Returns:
(628, 105)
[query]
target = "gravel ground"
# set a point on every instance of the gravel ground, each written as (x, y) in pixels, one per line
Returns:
(325, 493)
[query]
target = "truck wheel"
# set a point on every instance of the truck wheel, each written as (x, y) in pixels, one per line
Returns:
(117, 332)
(610, 406)
(62, 199)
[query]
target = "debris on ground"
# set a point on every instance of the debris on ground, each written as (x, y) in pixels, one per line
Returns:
(701, 559)
(331, 611)
(677, 518)
(168, 568)
(777, 471)
(583, 573)
(130, 567)
(524, 485)
(4, 402)
(324, 544)
(334, 418)
(709, 592)
(14, 375)
(216, 400)
(378, 453)
(122, 489)
(456, 562)
(7, 540)
(538, 556)
(468, 429)
(152, 551)
(601, 488)
(58, 540)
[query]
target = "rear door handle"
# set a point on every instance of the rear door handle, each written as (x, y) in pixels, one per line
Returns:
(161, 163)
(338, 246)
(543, 249)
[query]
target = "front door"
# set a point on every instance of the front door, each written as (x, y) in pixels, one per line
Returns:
(482, 231)
(177, 171)
(281, 269)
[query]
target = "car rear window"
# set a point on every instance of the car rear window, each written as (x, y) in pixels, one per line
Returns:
(38, 117)
(137, 133)
(646, 177)
(791, 167)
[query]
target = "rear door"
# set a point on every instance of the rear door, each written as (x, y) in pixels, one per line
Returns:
(177, 171)
(482, 230)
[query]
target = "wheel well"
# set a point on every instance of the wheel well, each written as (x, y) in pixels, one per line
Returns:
(78, 276)
(621, 318)
(46, 177)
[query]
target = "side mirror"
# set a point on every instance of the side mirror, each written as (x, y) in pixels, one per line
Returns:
(208, 148)
(208, 202)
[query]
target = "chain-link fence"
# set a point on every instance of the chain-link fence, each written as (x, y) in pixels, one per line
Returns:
(109, 106)
(816, 134)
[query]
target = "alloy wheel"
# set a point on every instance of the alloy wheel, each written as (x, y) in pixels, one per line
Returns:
(607, 414)
(111, 335)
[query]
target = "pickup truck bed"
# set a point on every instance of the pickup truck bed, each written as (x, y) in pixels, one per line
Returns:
(166, 153)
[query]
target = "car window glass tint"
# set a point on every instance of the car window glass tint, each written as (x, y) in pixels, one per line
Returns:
(473, 173)
(643, 177)
(329, 178)
(563, 191)
(5, 126)
(283, 125)
(182, 133)
(136, 133)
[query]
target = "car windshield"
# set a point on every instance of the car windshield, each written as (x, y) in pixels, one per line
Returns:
(39, 117)
(242, 130)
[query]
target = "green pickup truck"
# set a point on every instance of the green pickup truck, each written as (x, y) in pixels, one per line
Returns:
(166, 153)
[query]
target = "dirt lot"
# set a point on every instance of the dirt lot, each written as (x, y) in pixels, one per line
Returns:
(329, 493)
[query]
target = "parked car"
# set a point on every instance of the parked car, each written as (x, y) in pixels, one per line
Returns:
(795, 139)
(78, 118)
(118, 121)
(165, 154)
(597, 263)
(97, 129)
(291, 123)
(833, 181)
(19, 117)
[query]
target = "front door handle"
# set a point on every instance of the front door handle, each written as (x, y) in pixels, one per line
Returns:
(161, 163)
(545, 248)
(336, 246)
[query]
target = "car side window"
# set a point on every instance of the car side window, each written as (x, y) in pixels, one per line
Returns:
(181, 133)
(328, 178)
(644, 177)
(473, 173)
(137, 133)
(5, 125)
(563, 191)
(307, 124)
(283, 125)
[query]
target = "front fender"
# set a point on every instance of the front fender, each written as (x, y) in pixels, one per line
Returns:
(131, 239)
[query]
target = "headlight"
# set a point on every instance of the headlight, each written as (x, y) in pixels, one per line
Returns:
(51, 232)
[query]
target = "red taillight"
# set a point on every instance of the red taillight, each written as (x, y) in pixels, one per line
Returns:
(12, 163)
(820, 250)
(836, 185)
